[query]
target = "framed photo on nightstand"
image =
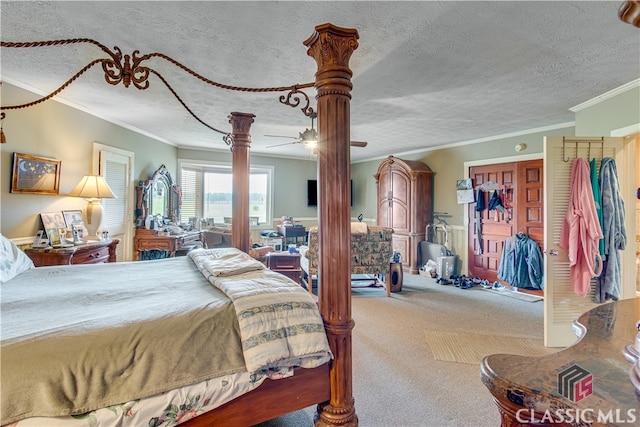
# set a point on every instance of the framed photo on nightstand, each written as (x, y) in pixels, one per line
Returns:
(72, 218)
(75, 224)
(52, 222)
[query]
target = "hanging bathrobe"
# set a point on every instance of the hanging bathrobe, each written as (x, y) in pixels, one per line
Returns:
(581, 230)
(615, 234)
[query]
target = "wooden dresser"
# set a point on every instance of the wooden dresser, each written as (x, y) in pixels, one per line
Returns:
(405, 203)
(89, 253)
(149, 240)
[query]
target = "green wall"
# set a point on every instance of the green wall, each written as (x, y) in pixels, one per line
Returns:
(52, 129)
(448, 167)
(613, 113)
(600, 119)
(56, 130)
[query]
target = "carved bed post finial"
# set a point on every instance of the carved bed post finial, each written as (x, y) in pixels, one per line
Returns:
(240, 145)
(332, 47)
(629, 12)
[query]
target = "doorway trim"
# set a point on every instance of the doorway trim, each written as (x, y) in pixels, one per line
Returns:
(126, 246)
(494, 161)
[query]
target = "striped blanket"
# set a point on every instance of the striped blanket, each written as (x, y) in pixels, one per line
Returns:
(280, 324)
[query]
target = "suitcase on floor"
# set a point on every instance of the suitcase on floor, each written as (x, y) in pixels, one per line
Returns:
(431, 251)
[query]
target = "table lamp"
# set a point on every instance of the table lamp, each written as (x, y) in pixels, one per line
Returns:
(93, 188)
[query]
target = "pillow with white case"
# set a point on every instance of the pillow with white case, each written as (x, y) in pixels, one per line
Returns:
(12, 260)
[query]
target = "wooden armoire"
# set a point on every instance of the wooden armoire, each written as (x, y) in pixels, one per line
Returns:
(405, 203)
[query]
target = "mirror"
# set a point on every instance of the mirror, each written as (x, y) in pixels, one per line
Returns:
(158, 196)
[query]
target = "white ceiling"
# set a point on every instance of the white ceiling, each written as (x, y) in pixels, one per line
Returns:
(426, 74)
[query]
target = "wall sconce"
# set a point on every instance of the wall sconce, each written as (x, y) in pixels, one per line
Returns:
(520, 147)
(94, 188)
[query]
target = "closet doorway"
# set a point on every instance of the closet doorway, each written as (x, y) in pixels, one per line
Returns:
(520, 188)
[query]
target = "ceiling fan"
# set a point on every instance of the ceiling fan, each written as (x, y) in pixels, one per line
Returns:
(309, 138)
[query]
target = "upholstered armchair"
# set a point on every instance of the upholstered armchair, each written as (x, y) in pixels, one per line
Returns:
(371, 251)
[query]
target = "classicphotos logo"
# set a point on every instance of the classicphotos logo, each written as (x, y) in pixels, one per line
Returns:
(575, 383)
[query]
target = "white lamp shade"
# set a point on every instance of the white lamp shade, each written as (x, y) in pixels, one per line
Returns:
(94, 188)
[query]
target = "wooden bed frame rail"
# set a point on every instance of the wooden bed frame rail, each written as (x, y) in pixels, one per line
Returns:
(272, 399)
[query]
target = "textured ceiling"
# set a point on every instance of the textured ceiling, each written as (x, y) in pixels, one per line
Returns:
(426, 74)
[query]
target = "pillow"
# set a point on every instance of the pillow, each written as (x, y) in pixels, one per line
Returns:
(12, 260)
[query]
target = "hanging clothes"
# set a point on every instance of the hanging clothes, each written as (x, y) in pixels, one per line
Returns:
(597, 198)
(599, 293)
(521, 262)
(614, 231)
(495, 203)
(480, 206)
(581, 230)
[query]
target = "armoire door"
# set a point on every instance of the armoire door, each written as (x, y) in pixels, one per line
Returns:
(394, 201)
(523, 202)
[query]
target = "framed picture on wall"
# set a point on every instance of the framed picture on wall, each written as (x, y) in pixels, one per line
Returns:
(35, 174)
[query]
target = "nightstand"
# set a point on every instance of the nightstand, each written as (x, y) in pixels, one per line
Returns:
(89, 253)
(285, 263)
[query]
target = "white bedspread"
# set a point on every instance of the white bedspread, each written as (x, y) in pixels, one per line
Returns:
(49, 311)
(280, 324)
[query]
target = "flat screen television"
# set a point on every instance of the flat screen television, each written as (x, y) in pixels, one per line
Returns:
(312, 192)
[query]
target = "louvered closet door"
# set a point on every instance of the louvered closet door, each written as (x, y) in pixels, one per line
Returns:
(561, 304)
(115, 166)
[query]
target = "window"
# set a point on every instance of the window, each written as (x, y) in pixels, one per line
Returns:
(207, 192)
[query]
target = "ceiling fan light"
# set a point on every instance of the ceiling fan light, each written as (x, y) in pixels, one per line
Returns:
(309, 135)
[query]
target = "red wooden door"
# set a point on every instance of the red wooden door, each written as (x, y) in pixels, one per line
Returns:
(524, 203)
(495, 227)
(530, 218)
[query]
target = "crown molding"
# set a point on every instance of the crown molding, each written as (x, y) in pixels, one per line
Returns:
(607, 95)
(477, 140)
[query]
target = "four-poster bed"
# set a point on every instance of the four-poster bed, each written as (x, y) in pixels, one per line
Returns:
(330, 384)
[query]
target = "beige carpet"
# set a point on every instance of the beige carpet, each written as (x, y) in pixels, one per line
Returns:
(470, 348)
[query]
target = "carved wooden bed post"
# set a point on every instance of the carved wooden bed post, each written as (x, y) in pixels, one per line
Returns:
(332, 47)
(241, 143)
